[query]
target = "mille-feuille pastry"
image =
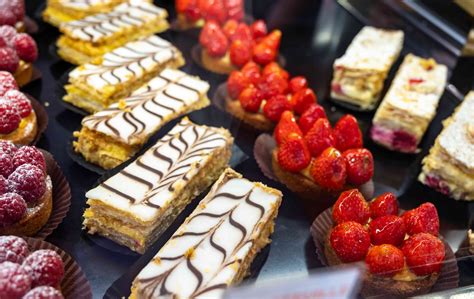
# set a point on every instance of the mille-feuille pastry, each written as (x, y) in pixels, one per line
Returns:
(117, 133)
(410, 104)
(449, 166)
(93, 36)
(96, 85)
(360, 73)
(216, 244)
(135, 206)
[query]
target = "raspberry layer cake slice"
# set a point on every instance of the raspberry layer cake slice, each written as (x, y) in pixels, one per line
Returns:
(449, 166)
(93, 36)
(137, 204)
(360, 73)
(114, 135)
(94, 86)
(216, 244)
(410, 104)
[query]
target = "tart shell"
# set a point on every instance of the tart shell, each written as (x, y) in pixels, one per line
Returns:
(256, 120)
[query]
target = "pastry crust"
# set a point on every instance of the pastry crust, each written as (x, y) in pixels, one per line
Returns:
(24, 73)
(256, 120)
(220, 65)
(25, 133)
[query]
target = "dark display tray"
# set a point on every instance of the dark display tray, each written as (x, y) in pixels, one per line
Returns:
(314, 34)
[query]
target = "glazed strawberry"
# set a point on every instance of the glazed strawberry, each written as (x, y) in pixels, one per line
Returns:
(218, 45)
(286, 126)
(347, 133)
(28, 181)
(262, 54)
(310, 116)
(13, 249)
(275, 107)
(43, 292)
(242, 33)
(12, 208)
(25, 47)
(384, 204)
(236, 83)
(8, 147)
(29, 155)
(423, 219)
(251, 72)
(250, 99)
(6, 165)
(272, 40)
(8, 60)
(230, 27)
(192, 11)
(298, 83)
(240, 53)
(329, 169)
(14, 280)
(385, 260)
(274, 67)
(319, 137)
(8, 33)
(181, 5)
(7, 82)
(388, 229)
(45, 267)
(272, 84)
(258, 29)
(3, 185)
(21, 101)
(207, 33)
(216, 11)
(293, 155)
(235, 9)
(350, 241)
(302, 99)
(9, 117)
(360, 165)
(424, 253)
(351, 206)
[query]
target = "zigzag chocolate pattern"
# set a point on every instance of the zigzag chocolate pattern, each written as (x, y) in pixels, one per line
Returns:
(147, 109)
(127, 15)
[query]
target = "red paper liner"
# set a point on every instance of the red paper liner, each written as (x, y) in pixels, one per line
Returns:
(31, 27)
(41, 118)
(74, 283)
(448, 277)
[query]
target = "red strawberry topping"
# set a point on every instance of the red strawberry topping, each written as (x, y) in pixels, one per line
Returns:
(293, 155)
(286, 126)
(208, 32)
(423, 219)
(388, 229)
(43, 292)
(7, 82)
(360, 165)
(319, 137)
(329, 169)
(29, 155)
(266, 50)
(384, 204)
(235, 9)
(350, 241)
(240, 52)
(9, 117)
(230, 27)
(13, 249)
(25, 47)
(274, 67)
(8, 60)
(14, 280)
(192, 11)
(351, 206)
(215, 11)
(258, 29)
(236, 83)
(385, 260)
(272, 84)
(28, 181)
(250, 99)
(347, 133)
(298, 83)
(251, 72)
(242, 33)
(275, 107)
(46, 268)
(424, 254)
(21, 101)
(310, 116)
(302, 99)
(12, 208)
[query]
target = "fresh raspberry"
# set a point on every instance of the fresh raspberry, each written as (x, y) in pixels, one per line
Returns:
(230, 27)
(43, 292)
(240, 53)
(272, 84)
(251, 72)
(275, 107)
(385, 260)
(25, 47)
(258, 29)
(8, 148)
(235, 9)
(207, 33)
(8, 60)
(423, 219)
(388, 229)
(274, 67)
(3, 185)
(6, 165)
(7, 82)
(216, 12)
(28, 181)
(3, 43)
(351, 206)
(319, 137)
(250, 99)
(424, 253)
(7, 17)
(12, 208)
(384, 204)
(350, 241)
(298, 83)
(21, 101)
(18, 8)
(14, 280)
(360, 165)
(236, 83)
(9, 117)
(310, 116)
(13, 249)
(8, 33)
(45, 267)
(293, 155)
(329, 169)
(302, 99)
(347, 133)
(286, 126)
(242, 33)
(29, 155)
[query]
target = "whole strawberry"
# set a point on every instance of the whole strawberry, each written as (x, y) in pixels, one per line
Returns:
(14, 280)
(28, 181)
(12, 208)
(385, 260)
(384, 204)
(275, 107)
(293, 155)
(208, 32)
(45, 267)
(350, 241)
(25, 47)
(250, 99)
(347, 133)
(272, 84)
(286, 126)
(240, 53)
(302, 99)
(9, 60)
(310, 116)
(9, 117)
(13, 249)
(258, 29)
(235, 84)
(329, 169)
(230, 27)
(234, 9)
(243, 33)
(360, 165)
(218, 45)
(216, 11)
(251, 72)
(319, 137)
(388, 229)
(351, 206)
(266, 50)
(423, 219)
(274, 67)
(424, 254)
(298, 83)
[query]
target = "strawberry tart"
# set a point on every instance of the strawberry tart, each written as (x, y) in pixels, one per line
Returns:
(18, 122)
(29, 275)
(194, 13)
(259, 96)
(25, 190)
(229, 47)
(402, 251)
(12, 12)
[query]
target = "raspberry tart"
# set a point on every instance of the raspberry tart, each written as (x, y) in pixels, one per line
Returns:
(25, 190)
(12, 13)
(402, 250)
(18, 122)
(259, 96)
(195, 13)
(229, 47)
